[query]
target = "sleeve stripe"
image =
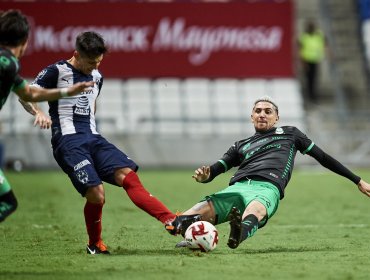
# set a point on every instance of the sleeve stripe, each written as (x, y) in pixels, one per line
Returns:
(21, 85)
(309, 148)
(224, 164)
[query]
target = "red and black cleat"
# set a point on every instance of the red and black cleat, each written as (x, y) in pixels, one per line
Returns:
(180, 224)
(97, 248)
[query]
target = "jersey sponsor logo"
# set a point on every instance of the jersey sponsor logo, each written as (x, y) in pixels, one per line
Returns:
(246, 146)
(262, 141)
(261, 149)
(91, 91)
(82, 106)
(81, 164)
(278, 137)
(274, 175)
(82, 111)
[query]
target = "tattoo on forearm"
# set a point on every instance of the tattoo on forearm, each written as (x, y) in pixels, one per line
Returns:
(28, 107)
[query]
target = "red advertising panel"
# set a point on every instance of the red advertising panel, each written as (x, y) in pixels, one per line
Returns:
(166, 39)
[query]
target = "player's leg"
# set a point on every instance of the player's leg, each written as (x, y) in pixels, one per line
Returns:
(261, 200)
(73, 156)
(150, 204)
(214, 208)
(116, 168)
(8, 201)
(245, 225)
(93, 211)
(205, 209)
(130, 181)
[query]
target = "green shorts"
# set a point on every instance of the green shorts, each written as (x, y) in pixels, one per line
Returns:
(241, 194)
(4, 184)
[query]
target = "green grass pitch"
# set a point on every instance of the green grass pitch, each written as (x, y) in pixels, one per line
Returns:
(320, 231)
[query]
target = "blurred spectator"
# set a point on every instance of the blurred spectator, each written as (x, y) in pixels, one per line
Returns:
(312, 46)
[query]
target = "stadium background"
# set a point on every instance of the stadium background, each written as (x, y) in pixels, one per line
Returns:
(182, 75)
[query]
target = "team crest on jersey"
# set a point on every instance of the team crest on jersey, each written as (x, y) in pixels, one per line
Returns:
(279, 130)
(82, 106)
(82, 176)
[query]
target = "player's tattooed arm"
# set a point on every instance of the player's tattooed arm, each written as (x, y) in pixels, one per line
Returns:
(29, 106)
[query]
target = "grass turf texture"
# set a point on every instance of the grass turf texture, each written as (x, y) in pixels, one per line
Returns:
(321, 231)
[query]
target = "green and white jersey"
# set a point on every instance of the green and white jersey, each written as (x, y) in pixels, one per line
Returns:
(9, 77)
(267, 155)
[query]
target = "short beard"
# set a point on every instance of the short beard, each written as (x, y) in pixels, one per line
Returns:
(264, 129)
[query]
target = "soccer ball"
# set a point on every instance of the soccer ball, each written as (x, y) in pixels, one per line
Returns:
(201, 235)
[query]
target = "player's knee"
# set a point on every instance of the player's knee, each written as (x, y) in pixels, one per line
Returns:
(205, 209)
(261, 213)
(120, 175)
(256, 208)
(95, 195)
(97, 199)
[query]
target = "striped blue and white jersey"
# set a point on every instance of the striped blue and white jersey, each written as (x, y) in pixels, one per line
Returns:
(73, 114)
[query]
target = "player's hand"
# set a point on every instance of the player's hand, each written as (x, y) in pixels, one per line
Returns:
(364, 187)
(80, 87)
(202, 174)
(42, 120)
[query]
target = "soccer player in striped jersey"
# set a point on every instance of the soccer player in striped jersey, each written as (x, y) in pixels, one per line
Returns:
(14, 30)
(82, 153)
(265, 163)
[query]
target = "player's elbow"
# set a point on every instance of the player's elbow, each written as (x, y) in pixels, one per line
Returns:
(27, 97)
(31, 94)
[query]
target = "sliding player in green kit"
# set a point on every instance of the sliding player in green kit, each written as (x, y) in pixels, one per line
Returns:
(265, 163)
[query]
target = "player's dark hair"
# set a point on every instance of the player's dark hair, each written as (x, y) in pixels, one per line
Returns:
(14, 28)
(90, 44)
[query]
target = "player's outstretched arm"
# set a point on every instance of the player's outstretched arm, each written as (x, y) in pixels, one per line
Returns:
(37, 94)
(364, 187)
(202, 174)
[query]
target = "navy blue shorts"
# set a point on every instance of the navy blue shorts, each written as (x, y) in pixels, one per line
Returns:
(89, 159)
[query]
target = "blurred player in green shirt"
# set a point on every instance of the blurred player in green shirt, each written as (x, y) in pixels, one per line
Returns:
(14, 31)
